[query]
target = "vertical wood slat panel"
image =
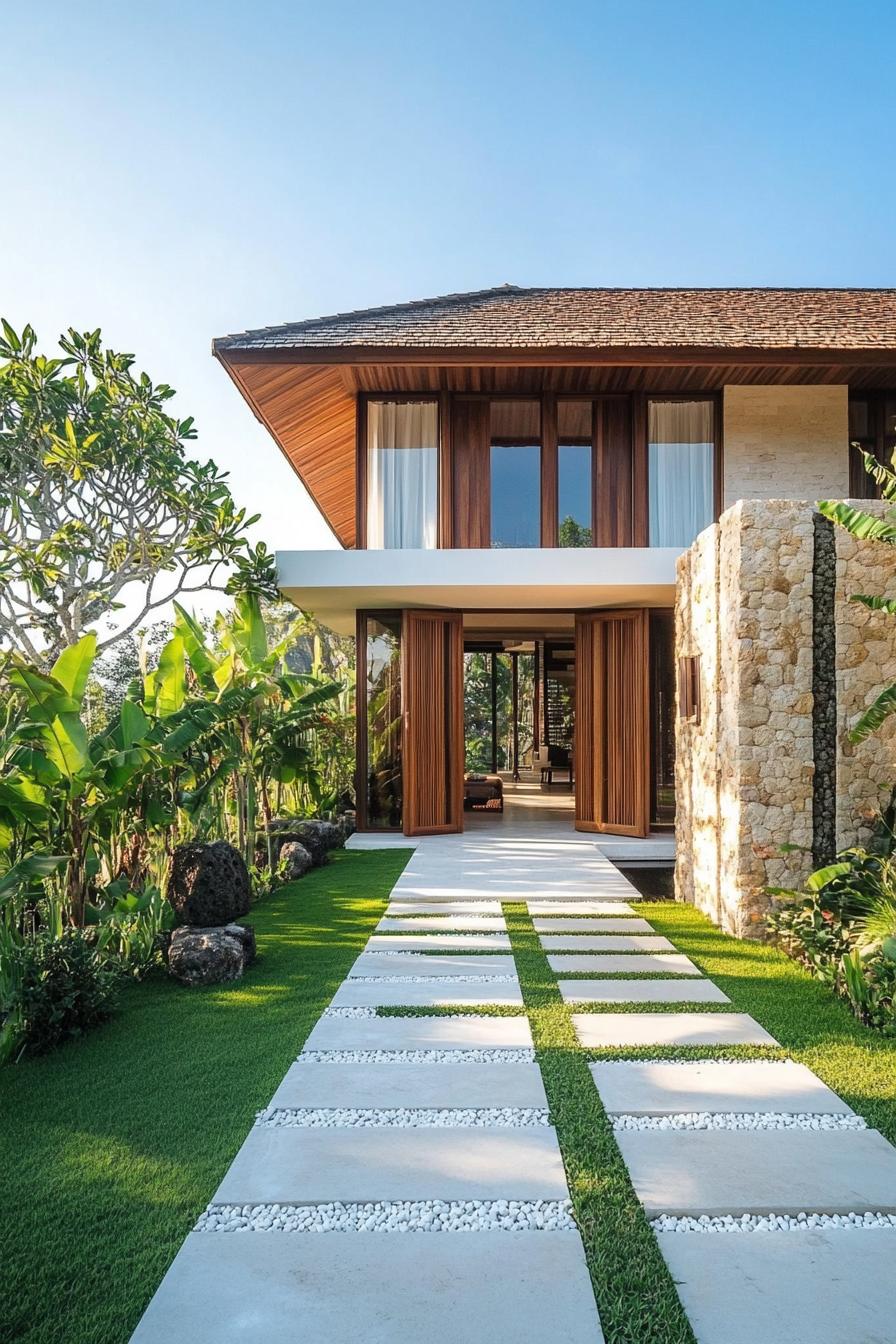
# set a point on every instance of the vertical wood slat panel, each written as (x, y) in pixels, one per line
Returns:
(471, 473)
(613, 473)
(549, 459)
(432, 687)
(640, 483)
(585, 724)
(612, 722)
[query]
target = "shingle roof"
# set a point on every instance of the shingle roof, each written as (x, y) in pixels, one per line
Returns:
(532, 319)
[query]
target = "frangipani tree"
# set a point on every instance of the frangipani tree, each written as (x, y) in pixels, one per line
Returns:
(100, 507)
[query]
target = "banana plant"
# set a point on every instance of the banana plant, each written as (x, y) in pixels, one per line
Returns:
(866, 527)
(72, 789)
(243, 720)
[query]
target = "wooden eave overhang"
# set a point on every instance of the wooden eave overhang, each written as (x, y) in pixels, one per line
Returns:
(306, 397)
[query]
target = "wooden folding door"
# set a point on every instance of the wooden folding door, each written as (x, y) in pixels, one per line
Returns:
(432, 647)
(612, 730)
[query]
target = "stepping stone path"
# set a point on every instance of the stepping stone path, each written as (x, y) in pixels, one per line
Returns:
(670, 963)
(605, 942)
(685, 990)
(439, 942)
(404, 1185)
(600, 1031)
(438, 993)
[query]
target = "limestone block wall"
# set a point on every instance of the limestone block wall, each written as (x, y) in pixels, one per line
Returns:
(744, 772)
(778, 703)
(785, 442)
(865, 663)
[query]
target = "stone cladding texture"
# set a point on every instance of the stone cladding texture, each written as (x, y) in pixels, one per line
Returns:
(744, 773)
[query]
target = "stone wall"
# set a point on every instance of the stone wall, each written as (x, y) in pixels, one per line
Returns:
(745, 772)
(785, 442)
(865, 663)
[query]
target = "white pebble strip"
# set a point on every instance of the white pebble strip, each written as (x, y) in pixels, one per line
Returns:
(429, 979)
(505, 1117)
(420, 1215)
(782, 1222)
(350, 1012)
(739, 1120)
(518, 1055)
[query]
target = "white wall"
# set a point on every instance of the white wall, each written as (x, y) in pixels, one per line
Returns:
(785, 443)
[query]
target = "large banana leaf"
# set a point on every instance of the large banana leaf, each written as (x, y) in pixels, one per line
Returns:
(860, 524)
(875, 714)
(887, 604)
(202, 661)
(72, 668)
(170, 678)
(35, 865)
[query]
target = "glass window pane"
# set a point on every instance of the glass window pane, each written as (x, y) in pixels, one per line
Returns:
(681, 464)
(383, 707)
(515, 473)
(402, 475)
(574, 473)
(574, 494)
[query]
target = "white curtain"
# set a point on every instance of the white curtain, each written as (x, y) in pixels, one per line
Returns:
(681, 470)
(402, 475)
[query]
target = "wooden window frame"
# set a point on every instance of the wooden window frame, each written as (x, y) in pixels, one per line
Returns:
(633, 526)
(689, 694)
(877, 442)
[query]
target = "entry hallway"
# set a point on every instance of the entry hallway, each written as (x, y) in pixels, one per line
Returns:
(405, 1185)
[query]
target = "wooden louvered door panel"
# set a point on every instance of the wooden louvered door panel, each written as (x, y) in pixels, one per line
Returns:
(432, 647)
(612, 722)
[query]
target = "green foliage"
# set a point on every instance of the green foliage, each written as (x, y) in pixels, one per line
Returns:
(573, 534)
(98, 499)
(65, 987)
(866, 527)
(842, 927)
(110, 1149)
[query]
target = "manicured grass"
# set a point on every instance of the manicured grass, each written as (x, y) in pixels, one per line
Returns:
(111, 1147)
(635, 1293)
(812, 1025)
(636, 1298)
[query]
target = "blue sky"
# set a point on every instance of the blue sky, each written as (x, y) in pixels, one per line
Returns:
(176, 171)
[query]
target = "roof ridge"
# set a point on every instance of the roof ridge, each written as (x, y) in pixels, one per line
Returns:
(404, 306)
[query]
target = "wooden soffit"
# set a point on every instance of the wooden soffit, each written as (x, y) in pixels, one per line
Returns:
(310, 411)
(307, 399)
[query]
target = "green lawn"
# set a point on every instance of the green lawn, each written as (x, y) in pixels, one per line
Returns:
(112, 1146)
(636, 1296)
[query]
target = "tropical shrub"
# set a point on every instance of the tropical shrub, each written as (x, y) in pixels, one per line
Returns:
(842, 927)
(65, 986)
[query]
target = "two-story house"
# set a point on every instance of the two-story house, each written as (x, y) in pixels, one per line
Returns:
(514, 473)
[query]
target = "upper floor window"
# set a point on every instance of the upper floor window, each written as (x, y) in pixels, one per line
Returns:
(515, 462)
(402, 475)
(575, 436)
(681, 470)
(872, 425)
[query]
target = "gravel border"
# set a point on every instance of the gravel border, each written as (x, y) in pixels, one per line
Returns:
(739, 1120)
(423, 1215)
(349, 1012)
(513, 1055)
(403, 1117)
(786, 1222)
